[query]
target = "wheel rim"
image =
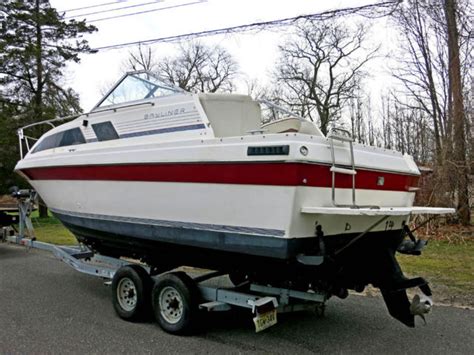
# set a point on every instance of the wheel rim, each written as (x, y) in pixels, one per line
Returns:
(171, 305)
(127, 294)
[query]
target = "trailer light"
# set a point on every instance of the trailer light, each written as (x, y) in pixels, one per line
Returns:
(303, 150)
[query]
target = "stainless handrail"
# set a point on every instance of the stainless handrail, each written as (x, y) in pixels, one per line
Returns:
(282, 109)
(50, 121)
(332, 136)
(24, 138)
(118, 107)
(348, 138)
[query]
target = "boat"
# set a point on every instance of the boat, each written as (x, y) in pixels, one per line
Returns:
(175, 178)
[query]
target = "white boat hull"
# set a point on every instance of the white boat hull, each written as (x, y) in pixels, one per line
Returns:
(202, 211)
(183, 179)
(239, 206)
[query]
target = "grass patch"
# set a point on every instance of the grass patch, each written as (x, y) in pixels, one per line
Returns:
(50, 230)
(447, 266)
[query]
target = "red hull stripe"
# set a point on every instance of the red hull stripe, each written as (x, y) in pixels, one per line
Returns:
(277, 174)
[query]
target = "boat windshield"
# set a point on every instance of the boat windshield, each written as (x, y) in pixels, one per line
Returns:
(136, 86)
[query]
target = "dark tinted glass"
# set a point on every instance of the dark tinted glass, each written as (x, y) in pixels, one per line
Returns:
(61, 139)
(72, 137)
(105, 131)
(49, 142)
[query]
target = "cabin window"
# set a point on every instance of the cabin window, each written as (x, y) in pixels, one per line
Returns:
(65, 138)
(105, 131)
(72, 137)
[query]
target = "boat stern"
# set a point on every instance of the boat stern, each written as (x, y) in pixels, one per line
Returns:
(355, 260)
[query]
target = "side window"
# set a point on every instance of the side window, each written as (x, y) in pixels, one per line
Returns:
(105, 131)
(72, 137)
(49, 142)
(61, 139)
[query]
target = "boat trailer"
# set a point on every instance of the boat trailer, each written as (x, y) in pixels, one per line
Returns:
(174, 297)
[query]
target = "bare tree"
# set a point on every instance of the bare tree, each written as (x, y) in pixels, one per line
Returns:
(255, 89)
(407, 130)
(422, 69)
(434, 70)
(423, 66)
(143, 58)
(321, 65)
(199, 68)
(456, 111)
(358, 126)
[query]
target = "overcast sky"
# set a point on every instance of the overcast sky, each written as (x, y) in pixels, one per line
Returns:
(255, 53)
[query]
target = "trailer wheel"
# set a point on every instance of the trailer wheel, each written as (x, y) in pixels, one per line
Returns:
(131, 288)
(175, 302)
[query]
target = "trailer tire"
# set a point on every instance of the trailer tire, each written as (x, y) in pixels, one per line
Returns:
(131, 290)
(175, 302)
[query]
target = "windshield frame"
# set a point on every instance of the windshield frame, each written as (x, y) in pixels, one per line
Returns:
(157, 83)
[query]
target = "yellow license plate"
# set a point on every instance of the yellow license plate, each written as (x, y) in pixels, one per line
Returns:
(265, 320)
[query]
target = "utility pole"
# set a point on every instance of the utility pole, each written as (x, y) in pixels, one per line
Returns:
(457, 113)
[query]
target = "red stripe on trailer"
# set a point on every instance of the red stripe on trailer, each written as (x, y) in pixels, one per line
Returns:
(276, 174)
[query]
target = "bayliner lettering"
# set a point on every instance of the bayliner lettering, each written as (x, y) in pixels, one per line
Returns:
(165, 114)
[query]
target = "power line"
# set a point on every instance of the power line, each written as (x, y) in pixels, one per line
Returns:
(115, 9)
(92, 6)
(371, 10)
(148, 11)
